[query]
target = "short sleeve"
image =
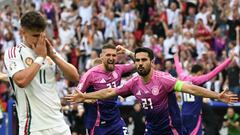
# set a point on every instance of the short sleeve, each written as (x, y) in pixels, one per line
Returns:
(125, 68)
(13, 62)
(168, 82)
(125, 89)
(84, 82)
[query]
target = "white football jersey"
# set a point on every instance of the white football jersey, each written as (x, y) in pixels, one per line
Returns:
(41, 104)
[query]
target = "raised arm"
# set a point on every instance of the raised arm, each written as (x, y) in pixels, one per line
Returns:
(69, 71)
(237, 35)
(121, 49)
(24, 76)
(177, 64)
(198, 80)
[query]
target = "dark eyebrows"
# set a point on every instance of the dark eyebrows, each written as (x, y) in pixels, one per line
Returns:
(143, 59)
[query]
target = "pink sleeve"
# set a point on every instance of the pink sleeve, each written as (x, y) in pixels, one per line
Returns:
(125, 68)
(168, 82)
(181, 75)
(125, 89)
(84, 82)
(204, 78)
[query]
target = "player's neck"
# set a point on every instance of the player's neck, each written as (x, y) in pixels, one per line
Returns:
(26, 44)
(146, 79)
(104, 68)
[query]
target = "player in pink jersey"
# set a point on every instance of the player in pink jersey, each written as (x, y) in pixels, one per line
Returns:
(103, 117)
(151, 88)
(192, 105)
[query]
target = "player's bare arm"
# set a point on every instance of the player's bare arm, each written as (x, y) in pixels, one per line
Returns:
(3, 77)
(69, 71)
(121, 49)
(24, 77)
(200, 91)
(101, 94)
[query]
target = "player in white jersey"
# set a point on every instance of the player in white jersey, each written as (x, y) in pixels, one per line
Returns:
(31, 69)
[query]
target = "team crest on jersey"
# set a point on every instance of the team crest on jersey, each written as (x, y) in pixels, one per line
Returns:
(155, 90)
(29, 61)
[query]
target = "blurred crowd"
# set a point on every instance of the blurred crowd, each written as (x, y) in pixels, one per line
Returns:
(199, 31)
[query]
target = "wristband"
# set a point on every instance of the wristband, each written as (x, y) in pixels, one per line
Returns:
(39, 60)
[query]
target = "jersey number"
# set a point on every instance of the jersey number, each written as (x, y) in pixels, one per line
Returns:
(147, 103)
(42, 75)
(112, 85)
(125, 130)
(188, 97)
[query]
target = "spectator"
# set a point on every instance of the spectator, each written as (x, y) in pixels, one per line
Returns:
(233, 77)
(85, 11)
(138, 119)
(231, 120)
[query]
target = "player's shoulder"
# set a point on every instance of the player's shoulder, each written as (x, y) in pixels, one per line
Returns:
(92, 70)
(135, 79)
(12, 51)
(160, 74)
(122, 65)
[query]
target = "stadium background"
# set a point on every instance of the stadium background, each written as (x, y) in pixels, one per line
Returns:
(200, 31)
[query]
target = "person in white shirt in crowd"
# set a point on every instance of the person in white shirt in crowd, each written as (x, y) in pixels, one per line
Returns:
(169, 45)
(128, 19)
(97, 35)
(66, 35)
(110, 25)
(202, 14)
(172, 14)
(90, 62)
(86, 10)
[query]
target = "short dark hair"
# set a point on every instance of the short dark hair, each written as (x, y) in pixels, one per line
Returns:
(196, 68)
(33, 21)
(146, 50)
(108, 46)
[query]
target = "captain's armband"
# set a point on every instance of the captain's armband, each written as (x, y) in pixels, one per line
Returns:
(178, 86)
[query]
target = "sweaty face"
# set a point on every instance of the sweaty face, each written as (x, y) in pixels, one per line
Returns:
(108, 57)
(143, 63)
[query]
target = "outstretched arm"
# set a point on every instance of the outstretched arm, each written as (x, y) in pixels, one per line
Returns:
(203, 92)
(101, 94)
